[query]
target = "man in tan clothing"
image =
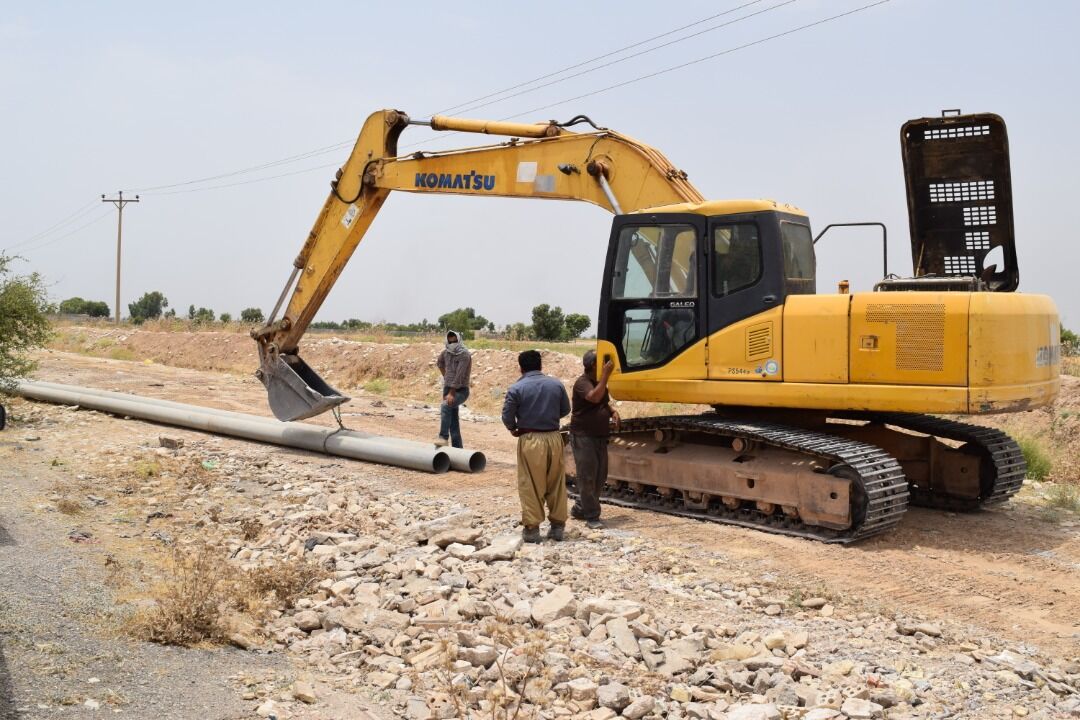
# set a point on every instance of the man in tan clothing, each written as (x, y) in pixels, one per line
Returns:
(531, 412)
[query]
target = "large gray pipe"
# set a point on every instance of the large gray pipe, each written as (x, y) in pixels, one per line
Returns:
(222, 422)
(462, 460)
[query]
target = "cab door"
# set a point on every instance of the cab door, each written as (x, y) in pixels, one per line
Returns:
(651, 308)
(745, 297)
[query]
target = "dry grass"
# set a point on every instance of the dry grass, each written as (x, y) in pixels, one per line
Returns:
(1064, 496)
(69, 507)
(201, 589)
(189, 603)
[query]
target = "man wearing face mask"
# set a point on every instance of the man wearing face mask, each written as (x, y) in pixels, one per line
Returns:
(455, 365)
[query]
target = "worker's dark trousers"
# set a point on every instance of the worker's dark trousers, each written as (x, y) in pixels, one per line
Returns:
(449, 420)
(590, 460)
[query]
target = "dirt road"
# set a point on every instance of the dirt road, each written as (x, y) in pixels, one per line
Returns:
(1012, 572)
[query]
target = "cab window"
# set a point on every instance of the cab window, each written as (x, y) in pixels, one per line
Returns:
(800, 265)
(656, 261)
(736, 257)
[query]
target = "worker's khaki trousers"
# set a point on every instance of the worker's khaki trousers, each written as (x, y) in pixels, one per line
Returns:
(541, 478)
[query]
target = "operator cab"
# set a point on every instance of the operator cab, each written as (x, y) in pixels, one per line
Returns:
(677, 274)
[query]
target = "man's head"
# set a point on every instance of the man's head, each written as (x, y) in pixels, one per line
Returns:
(529, 360)
(451, 337)
(589, 361)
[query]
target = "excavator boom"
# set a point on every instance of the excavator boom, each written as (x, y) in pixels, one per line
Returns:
(545, 160)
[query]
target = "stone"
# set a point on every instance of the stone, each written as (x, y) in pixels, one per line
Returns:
(613, 695)
(456, 536)
(859, 709)
(827, 611)
(928, 629)
(240, 631)
(502, 547)
(814, 603)
(557, 604)
(417, 709)
(797, 641)
(266, 709)
(170, 443)
(459, 550)
(641, 630)
(639, 708)
(821, 714)
(773, 610)
(479, 656)
(767, 711)
(775, 640)
(698, 711)
(307, 620)
(459, 521)
(359, 618)
(680, 693)
(582, 689)
(732, 651)
(618, 629)
(304, 692)
(1015, 663)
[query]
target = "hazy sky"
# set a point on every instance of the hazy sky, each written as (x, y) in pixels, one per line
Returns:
(98, 97)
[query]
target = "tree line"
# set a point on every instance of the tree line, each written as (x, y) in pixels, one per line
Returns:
(548, 323)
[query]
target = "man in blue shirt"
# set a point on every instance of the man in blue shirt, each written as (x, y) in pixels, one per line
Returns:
(531, 412)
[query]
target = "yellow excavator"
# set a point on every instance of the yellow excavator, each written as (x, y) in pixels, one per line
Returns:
(821, 424)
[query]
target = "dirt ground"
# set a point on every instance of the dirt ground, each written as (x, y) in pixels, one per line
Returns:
(1011, 573)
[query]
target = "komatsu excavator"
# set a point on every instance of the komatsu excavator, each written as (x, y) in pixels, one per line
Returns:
(820, 424)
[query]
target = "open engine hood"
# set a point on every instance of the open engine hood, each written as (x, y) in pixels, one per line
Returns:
(959, 193)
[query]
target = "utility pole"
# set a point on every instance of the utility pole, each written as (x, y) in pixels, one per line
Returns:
(119, 202)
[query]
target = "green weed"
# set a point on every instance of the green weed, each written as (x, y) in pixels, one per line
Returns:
(377, 386)
(1037, 457)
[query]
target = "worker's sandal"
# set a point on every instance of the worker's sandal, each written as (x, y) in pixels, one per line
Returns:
(530, 534)
(440, 442)
(555, 532)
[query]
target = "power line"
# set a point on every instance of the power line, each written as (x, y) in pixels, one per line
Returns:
(66, 220)
(70, 232)
(628, 57)
(713, 56)
(592, 60)
(283, 161)
(248, 182)
(592, 93)
(336, 146)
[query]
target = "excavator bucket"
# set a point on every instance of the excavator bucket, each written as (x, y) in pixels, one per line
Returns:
(295, 390)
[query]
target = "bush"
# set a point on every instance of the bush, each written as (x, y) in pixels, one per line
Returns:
(252, 316)
(225, 318)
(78, 306)
(23, 325)
(149, 307)
(1070, 342)
(1039, 463)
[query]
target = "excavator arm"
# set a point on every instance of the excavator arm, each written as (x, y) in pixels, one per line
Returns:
(545, 160)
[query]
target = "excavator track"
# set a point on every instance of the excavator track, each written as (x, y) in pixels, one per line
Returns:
(1005, 472)
(877, 476)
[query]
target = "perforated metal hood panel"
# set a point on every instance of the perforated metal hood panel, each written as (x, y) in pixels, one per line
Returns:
(959, 194)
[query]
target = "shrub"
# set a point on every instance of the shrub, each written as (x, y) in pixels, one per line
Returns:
(225, 318)
(377, 386)
(23, 325)
(78, 306)
(1039, 462)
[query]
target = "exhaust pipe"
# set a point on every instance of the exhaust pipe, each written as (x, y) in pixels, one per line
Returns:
(222, 422)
